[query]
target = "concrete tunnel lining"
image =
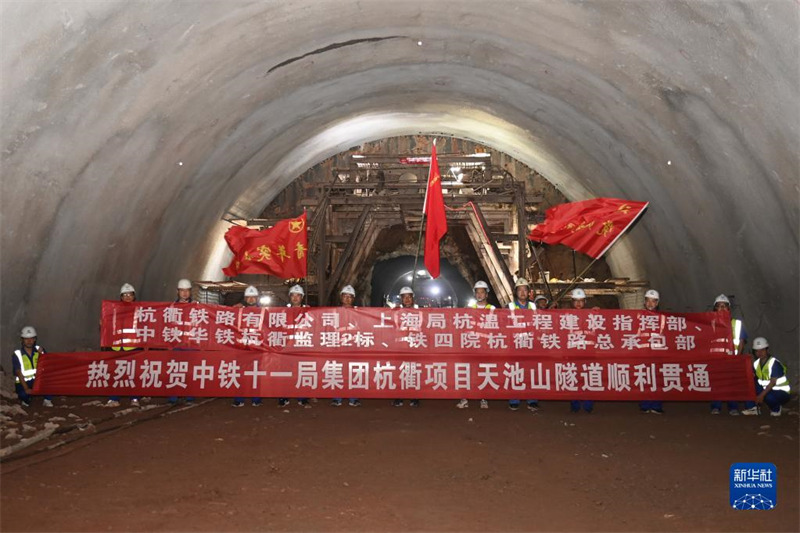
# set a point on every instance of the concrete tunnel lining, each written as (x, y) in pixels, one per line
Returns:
(100, 102)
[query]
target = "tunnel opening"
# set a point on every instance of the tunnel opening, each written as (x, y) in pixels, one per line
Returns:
(364, 206)
(389, 276)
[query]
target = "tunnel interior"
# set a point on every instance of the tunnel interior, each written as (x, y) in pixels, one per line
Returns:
(132, 131)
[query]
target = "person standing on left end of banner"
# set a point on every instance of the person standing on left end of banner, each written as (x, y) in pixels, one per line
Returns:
(250, 301)
(522, 292)
(127, 294)
(25, 365)
(772, 385)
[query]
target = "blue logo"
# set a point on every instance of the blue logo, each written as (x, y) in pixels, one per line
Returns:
(753, 486)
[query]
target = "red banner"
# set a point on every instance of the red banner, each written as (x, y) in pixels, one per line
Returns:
(292, 330)
(590, 227)
(422, 353)
(363, 375)
(277, 251)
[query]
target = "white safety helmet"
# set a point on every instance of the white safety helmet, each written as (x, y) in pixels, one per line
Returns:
(348, 289)
(184, 284)
(481, 285)
(127, 287)
(297, 289)
(250, 291)
(406, 290)
(578, 294)
(539, 297)
(652, 293)
(722, 299)
(760, 343)
(29, 332)
(522, 282)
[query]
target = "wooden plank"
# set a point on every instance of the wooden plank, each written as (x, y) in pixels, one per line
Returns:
(486, 235)
(345, 256)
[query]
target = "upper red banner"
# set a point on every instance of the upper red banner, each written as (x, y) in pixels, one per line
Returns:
(590, 227)
(305, 330)
(277, 251)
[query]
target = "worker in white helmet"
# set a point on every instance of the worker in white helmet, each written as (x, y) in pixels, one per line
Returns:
(25, 364)
(481, 301)
(251, 295)
(127, 294)
(578, 298)
(521, 294)
(772, 384)
(347, 296)
(540, 301)
(184, 291)
(652, 300)
(296, 295)
(722, 304)
(184, 296)
(406, 302)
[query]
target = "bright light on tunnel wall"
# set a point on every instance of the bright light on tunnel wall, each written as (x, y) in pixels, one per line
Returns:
(220, 255)
(439, 119)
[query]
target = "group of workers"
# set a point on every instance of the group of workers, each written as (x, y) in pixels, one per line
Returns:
(771, 382)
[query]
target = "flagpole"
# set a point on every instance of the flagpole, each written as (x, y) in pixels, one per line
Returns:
(541, 271)
(575, 281)
(422, 222)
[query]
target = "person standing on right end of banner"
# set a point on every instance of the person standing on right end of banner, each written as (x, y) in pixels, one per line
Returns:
(739, 336)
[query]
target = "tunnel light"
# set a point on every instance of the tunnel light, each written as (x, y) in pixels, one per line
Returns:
(265, 300)
(421, 273)
(358, 156)
(409, 277)
(435, 290)
(180, 163)
(419, 43)
(669, 162)
(455, 170)
(479, 154)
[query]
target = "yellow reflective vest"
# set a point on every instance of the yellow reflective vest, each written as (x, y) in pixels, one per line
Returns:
(475, 306)
(515, 305)
(764, 373)
(27, 364)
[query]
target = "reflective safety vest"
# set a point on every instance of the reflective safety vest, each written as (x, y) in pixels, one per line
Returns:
(763, 374)
(736, 333)
(515, 305)
(27, 366)
(475, 306)
(129, 338)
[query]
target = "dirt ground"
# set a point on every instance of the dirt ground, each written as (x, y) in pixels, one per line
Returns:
(379, 468)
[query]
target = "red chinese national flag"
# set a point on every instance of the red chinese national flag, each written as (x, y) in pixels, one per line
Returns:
(436, 224)
(590, 227)
(276, 251)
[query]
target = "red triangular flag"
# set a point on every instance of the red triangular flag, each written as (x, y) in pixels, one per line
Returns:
(436, 224)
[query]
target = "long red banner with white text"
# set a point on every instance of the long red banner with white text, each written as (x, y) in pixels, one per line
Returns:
(307, 330)
(206, 350)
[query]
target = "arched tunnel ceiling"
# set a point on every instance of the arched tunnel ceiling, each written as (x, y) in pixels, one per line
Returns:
(130, 128)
